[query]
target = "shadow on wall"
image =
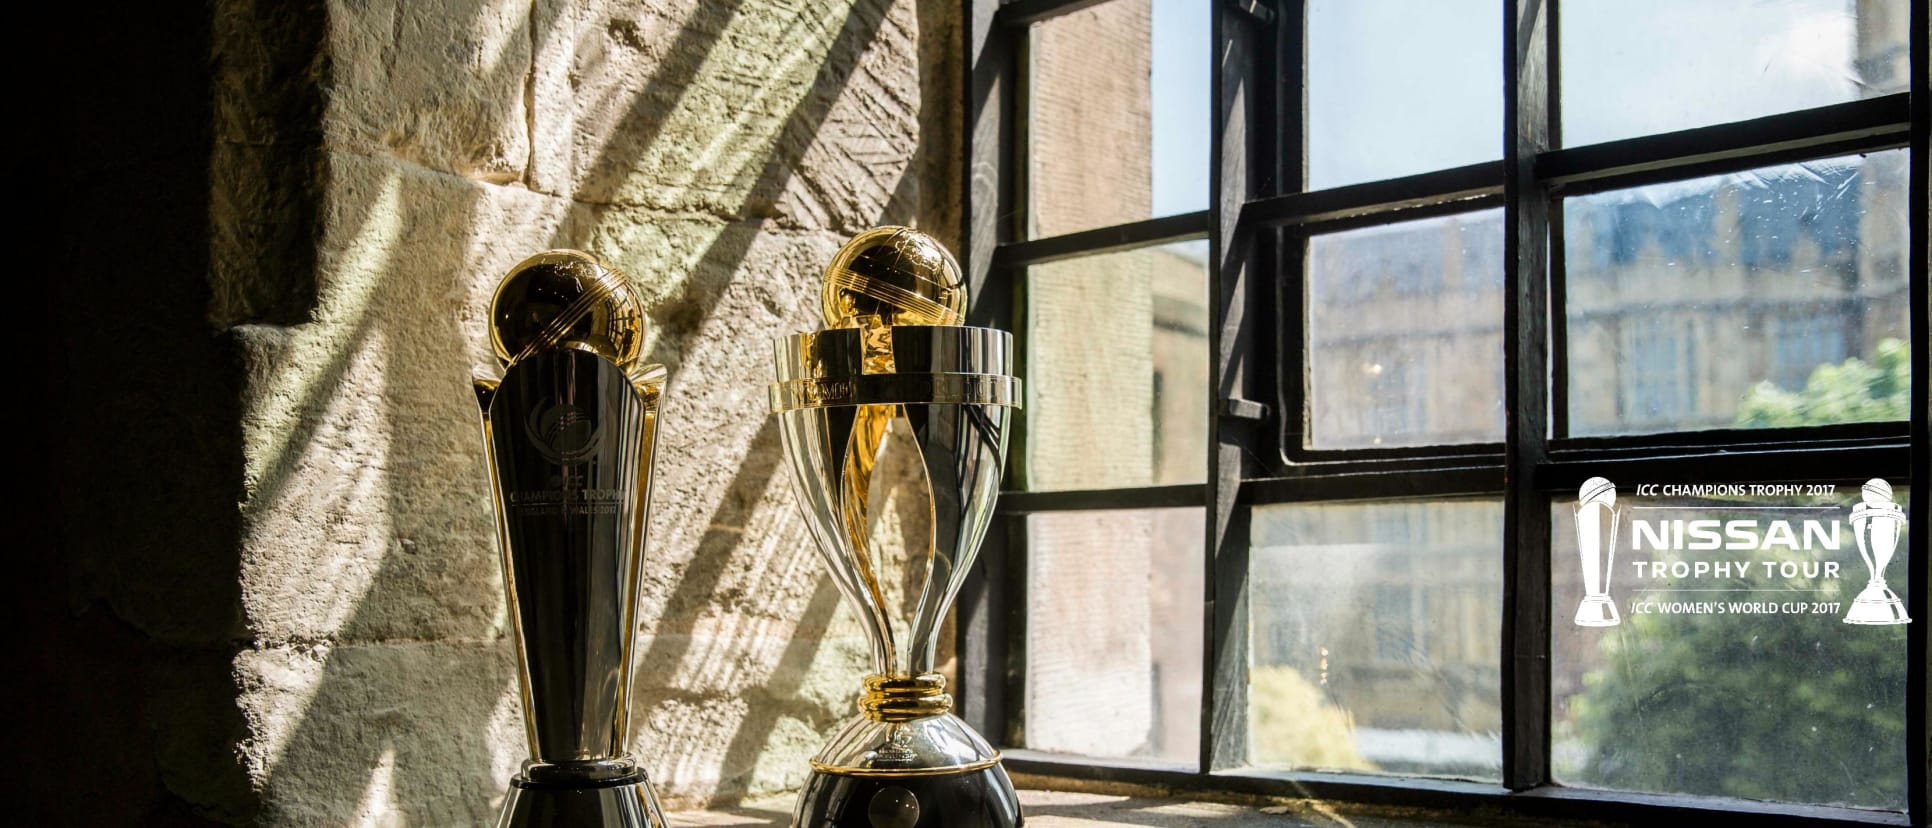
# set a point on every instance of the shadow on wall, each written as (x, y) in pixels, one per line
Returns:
(381, 687)
(126, 452)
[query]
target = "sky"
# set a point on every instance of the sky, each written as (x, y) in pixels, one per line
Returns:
(1398, 87)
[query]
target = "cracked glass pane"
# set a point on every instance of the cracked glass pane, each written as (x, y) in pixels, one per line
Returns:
(1113, 636)
(1766, 298)
(1638, 67)
(1399, 87)
(1374, 637)
(1405, 333)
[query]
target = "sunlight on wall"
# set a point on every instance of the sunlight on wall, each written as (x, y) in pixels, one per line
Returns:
(733, 108)
(377, 809)
(717, 154)
(317, 593)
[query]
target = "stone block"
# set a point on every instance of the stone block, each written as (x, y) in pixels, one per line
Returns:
(367, 512)
(724, 742)
(805, 112)
(439, 84)
(383, 734)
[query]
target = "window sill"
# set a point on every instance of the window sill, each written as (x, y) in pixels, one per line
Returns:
(1068, 809)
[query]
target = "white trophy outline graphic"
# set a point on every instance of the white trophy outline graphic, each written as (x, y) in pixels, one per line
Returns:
(1877, 524)
(1596, 546)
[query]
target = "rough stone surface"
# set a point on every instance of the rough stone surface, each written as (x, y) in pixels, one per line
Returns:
(367, 517)
(270, 69)
(407, 734)
(440, 84)
(802, 111)
(718, 153)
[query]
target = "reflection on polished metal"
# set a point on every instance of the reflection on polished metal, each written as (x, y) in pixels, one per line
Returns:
(893, 351)
(569, 431)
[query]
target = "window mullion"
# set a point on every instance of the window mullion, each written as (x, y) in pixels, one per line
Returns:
(1527, 104)
(1242, 140)
(991, 613)
(1101, 240)
(1919, 543)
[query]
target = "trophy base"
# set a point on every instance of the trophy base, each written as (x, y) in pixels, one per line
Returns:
(1597, 611)
(981, 798)
(1877, 605)
(627, 804)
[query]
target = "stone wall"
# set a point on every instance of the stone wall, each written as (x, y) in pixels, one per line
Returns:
(308, 552)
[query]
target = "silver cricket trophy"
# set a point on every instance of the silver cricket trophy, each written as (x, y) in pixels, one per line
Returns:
(569, 431)
(894, 351)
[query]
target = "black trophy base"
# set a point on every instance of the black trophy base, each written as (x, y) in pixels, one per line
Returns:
(624, 805)
(973, 799)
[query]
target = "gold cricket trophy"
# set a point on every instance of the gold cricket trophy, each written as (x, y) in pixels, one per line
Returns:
(569, 430)
(894, 349)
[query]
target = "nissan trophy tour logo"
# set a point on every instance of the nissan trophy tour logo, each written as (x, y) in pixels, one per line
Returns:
(1877, 524)
(1596, 545)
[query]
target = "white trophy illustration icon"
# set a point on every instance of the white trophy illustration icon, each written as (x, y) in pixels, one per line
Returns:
(1877, 523)
(1596, 545)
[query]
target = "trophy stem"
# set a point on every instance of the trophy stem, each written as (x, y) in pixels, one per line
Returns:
(904, 698)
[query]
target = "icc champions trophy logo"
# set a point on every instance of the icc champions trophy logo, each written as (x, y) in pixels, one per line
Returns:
(565, 433)
(1877, 524)
(1596, 545)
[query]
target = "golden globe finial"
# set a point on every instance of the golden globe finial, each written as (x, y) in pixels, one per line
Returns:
(569, 299)
(896, 274)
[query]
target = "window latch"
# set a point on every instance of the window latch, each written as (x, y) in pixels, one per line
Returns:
(1241, 409)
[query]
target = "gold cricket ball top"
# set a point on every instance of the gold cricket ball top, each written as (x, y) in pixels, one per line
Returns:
(896, 274)
(568, 299)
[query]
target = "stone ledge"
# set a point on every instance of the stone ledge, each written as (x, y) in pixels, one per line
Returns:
(1067, 809)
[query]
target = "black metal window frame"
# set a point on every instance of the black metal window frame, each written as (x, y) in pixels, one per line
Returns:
(1256, 225)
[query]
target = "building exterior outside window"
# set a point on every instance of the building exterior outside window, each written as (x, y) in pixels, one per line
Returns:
(1679, 304)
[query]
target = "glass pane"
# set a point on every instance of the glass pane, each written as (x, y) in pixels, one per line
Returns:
(1717, 61)
(1117, 370)
(1723, 663)
(1113, 634)
(1117, 129)
(1405, 333)
(1772, 297)
(1375, 630)
(1398, 87)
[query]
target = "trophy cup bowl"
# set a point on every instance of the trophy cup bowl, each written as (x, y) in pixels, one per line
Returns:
(569, 431)
(1877, 524)
(905, 761)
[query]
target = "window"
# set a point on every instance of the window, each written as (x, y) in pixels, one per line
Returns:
(1326, 311)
